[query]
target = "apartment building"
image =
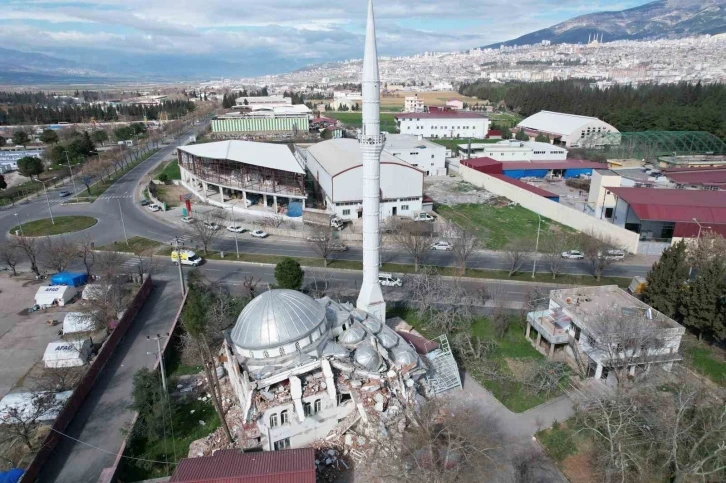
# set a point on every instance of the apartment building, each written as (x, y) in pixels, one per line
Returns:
(443, 124)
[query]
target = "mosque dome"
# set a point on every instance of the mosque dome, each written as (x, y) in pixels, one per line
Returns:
(388, 338)
(373, 324)
(402, 355)
(277, 318)
(352, 335)
(367, 356)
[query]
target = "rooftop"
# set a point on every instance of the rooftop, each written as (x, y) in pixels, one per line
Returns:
(407, 141)
(525, 186)
(440, 115)
(674, 204)
(707, 175)
(555, 122)
(266, 155)
(338, 155)
(569, 164)
(588, 302)
(285, 466)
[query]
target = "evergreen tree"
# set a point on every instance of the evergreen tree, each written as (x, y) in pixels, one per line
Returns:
(542, 138)
(30, 166)
(3, 141)
(521, 135)
(666, 280)
(20, 138)
(288, 274)
(49, 136)
(702, 306)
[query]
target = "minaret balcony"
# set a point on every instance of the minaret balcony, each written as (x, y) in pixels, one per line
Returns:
(372, 139)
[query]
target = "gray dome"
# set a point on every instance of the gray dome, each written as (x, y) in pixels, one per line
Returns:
(388, 338)
(367, 356)
(402, 355)
(276, 318)
(373, 324)
(352, 335)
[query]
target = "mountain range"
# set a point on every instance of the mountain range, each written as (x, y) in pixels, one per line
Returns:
(654, 20)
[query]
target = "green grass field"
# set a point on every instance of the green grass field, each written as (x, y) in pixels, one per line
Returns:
(354, 119)
(170, 168)
(498, 225)
(63, 224)
(707, 361)
(137, 245)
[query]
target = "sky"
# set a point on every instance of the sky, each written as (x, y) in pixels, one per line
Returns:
(252, 37)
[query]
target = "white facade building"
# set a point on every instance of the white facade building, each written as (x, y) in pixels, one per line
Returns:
(564, 129)
(252, 102)
(413, 104)
(443, 124)
(337, 167)
(415, 150)
(514, 150)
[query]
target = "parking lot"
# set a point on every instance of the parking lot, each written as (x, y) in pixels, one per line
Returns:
(23, 336)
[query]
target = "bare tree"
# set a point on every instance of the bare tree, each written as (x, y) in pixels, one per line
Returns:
(250, 285)
(57, 380)
(463, 243)
(554, 243)
(204, 228)
(10, 255)
(321, 240)
(598, 251)
(412, 237)
(31, 247)
(710, 247)
(57, 253)
(498, 315)
(85, 251)
(108, 266)
(516, 252)
(22, 420)
(443, 305)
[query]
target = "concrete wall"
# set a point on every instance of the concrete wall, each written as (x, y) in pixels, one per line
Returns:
(565, 215)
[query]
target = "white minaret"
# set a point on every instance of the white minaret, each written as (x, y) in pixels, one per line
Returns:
(371, 142)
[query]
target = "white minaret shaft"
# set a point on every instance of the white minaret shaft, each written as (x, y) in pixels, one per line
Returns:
(371, 142)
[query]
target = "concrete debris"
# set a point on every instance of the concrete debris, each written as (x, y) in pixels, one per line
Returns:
(202, 423)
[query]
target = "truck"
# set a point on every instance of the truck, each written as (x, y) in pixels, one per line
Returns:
(321, 217)
(423, 216)
(187, 257)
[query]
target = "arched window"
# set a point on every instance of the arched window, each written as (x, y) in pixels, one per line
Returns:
(284, 417)
(318, 406)
(273, 420)
(307, 409)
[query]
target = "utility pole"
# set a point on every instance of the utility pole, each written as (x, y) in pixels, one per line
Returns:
(536, 246)
(123, 225)
(75, 191)
(177, 248)
(158, 338)
(236, 226)
(19, 224)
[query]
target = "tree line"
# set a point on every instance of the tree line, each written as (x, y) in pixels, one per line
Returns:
(671, 107)
(51, 113)
(228, 100)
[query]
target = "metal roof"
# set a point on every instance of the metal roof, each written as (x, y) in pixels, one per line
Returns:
(675, 205)
(276, 318)
(569, 164)
(408, 141)
(706, 175)
(557, 122)
(266, 155)
(231, 465)
(525, 186)
(652, 144)
(338, 155)
(367, 356)
(439, 115)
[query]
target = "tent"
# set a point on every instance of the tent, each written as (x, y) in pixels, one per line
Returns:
(71, 353)
(77, 322)
(60, 294)
(11, 476)
(23, 402)
(93, 291)
(74, 279)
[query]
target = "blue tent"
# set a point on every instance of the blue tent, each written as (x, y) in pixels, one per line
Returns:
(11, 476)
(69, 278)
(294, 209)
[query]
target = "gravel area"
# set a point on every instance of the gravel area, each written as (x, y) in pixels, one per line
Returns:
(451, 191)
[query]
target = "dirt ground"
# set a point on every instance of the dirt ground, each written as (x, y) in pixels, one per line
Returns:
(13, 178)
(170, 193)
(437, 98)
(451, 191)
(23, 336)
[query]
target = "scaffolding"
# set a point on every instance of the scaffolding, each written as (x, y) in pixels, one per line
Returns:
(445, 374)
(649, 145)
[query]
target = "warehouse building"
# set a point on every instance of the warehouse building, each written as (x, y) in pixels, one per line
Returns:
(514, 150)
(493, 168)
(289, 120)
(243, 174)
(564, 129)
(427, 156)
(337, 167)
(443, 124)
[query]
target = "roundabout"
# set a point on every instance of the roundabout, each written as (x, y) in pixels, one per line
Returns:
(58, 226)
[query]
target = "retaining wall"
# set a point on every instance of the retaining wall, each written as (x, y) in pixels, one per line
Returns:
(625, 239)
(89, 379)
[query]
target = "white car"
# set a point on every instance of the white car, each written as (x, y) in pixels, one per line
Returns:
(187, 219)
(153, 207)
(259, 234)
(211, 225)
(573, 254)
(338, 248)
(317, 238)
(388, 280)
(614, 255)
(442, 245)
(235, 229)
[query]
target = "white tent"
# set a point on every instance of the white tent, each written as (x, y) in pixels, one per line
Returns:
(23, 401)
(75, 322)
(72, 353)
(60, 294)
(93, 291)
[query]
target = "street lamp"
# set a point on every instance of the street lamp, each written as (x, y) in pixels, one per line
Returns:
(48, 201)
(234, 219)
(19, 224)
(699, 229)
(177, 245)
(536, 246)
(75, 191)
(160, 354)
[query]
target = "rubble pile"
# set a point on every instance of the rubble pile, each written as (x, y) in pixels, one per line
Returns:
(329, 463)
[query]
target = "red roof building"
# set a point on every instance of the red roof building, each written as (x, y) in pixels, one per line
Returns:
(233, 466)
(439, 115)
(483, 165)
(528, 187)
(706, 176)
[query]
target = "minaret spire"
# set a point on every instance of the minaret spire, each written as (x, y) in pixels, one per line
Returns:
(371, 143)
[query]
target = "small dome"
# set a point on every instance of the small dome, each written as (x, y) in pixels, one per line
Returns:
(373, 324)
(367, 356)
(388, 338)
(334, 350)
(352, 335)
(276, 318)
(402, 355)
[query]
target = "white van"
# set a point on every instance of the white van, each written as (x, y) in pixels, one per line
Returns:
(388, 280)
(188, 257)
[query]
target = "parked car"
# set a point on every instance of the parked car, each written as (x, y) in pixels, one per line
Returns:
(317, 238)
(153, 207)
(187, 219)
(259, 234)
(573, 254)
(338, 248)
(613, 255)
(388, 280)
(64, 193)
(211, 225)
(144, 202)
(235, 229)
(442, 245)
